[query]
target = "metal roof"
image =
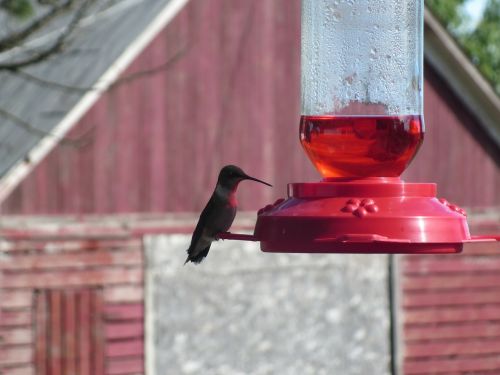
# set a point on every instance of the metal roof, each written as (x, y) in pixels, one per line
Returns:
(105, 43)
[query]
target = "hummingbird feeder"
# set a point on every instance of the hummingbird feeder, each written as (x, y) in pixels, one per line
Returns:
(361, 125)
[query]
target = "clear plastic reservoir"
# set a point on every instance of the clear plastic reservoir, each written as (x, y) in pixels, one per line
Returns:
(362, 82)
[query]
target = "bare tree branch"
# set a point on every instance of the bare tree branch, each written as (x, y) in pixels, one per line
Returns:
(50, 84)
(79, 142)
(56, 47)
(125, 79)
(17, 38)
(86, 138)
(16, 67)
(155, 70)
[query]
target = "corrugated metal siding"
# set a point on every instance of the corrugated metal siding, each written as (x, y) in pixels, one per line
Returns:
(450, 311)
(49, 284)
(455, 154)
(157, 142)
(69, 332)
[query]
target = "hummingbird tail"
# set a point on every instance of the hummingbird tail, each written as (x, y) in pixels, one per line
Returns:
(197, 258)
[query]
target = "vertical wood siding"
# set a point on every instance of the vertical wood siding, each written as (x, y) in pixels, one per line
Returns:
(71, 306)
(155, 144)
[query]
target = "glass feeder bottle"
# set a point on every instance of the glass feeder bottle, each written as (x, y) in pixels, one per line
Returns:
(362, 82)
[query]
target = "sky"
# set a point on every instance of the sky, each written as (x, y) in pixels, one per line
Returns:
(475, 9)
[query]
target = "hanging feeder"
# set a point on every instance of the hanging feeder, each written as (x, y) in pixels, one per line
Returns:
(361, 125)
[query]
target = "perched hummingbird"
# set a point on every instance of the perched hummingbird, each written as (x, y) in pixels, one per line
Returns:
(219, 213)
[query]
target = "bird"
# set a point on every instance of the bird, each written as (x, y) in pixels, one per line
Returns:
(219, 213)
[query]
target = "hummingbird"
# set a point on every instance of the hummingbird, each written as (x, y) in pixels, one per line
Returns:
(219, 213)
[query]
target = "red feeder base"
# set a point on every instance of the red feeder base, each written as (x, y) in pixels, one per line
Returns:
(371, 215)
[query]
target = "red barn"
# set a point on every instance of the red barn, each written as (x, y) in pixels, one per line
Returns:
(175, 90)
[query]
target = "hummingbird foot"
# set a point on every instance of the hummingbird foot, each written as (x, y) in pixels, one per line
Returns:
(217, 236)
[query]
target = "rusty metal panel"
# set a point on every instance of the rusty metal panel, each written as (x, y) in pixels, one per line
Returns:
(69, 335)
(69, 338)
(97, 332)
(54, 331)
(65, 298)
(41, 334)
(84, 333)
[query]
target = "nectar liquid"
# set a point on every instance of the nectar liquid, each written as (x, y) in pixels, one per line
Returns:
(361, 146)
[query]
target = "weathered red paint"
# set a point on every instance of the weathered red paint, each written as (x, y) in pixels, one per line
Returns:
(54, 294)
(472, 330)
(69, 324)
(450, 308)
(15, 299)
(68, 332)
(16, 336)
(84, 333)
(473, 347)
(156, 143)
(41, 336)
(63, 245)
(15, 318)
(451, 314)
(451, 266)
(130, 311)
(125, 348)
(74, 259)
(54, 353)
(450, 298)
(116, 331)
(14, 355)
(76, 277)
(122, 366)
(460, 281)
(20, 370)
(97, 333)
(455, 366)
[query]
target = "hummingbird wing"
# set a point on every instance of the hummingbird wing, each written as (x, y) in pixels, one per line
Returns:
(216, 217)
(201, 239)
(198, 249)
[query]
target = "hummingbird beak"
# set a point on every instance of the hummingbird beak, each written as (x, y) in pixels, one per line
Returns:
(247, 177)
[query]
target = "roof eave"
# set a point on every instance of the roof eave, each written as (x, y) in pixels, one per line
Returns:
(445, 56)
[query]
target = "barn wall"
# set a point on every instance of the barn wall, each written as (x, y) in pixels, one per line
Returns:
(449, 308)
(71, 304)
(155, 143)
(456, 154)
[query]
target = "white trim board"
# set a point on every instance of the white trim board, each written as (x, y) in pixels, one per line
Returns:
(22, 168)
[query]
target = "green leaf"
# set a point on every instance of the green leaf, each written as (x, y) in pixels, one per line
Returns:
(482, 44)
(18, 8)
